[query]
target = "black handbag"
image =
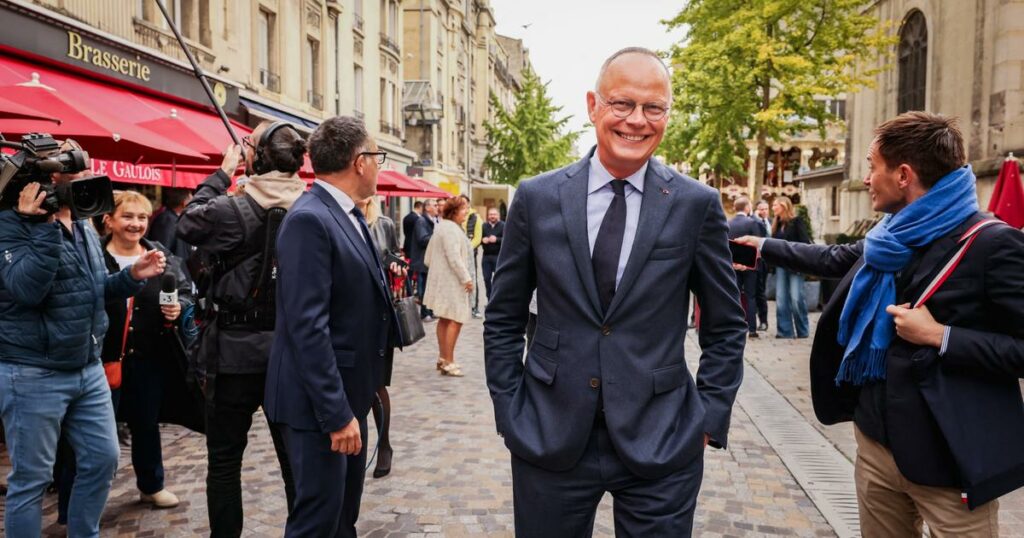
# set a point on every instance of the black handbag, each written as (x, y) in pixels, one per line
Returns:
(408, 313)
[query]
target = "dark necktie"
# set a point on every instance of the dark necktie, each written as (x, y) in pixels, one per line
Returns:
(608, 245)
(369, 241)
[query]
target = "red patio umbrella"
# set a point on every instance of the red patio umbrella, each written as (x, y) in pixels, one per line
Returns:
(9, 110)
(1007, 201)
(101, 134)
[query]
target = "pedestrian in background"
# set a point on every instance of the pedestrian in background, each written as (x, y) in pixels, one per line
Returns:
(385, 239)
(473, 226)
(493, 230)
(762, 267)
(163, 227)
(451, 282)
(791, 309)
(743, 224)
(422, 231)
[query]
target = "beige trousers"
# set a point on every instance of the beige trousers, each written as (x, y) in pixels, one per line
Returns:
(892, 506)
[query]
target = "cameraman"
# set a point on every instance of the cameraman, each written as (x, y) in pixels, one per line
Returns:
(235, 344)
(53, 284)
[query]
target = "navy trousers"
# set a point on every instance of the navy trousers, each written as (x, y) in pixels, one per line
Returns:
(563, 504)
(747, 283)
(328, 485)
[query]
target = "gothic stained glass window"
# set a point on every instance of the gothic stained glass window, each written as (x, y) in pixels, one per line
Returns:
(913, 63)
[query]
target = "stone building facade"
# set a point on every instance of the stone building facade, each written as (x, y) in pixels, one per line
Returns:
(963, 59)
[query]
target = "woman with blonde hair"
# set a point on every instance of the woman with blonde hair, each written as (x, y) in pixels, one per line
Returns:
(791, 309)
(450, 281)
(137, 350)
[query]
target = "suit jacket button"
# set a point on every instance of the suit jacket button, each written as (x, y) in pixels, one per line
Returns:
(606, 330)
(380, 352)
(384, 317)
(595, 382)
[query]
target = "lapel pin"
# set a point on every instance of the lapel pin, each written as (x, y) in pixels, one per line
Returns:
(664, 191)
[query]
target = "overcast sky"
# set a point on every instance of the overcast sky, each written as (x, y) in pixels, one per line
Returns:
(569, 39)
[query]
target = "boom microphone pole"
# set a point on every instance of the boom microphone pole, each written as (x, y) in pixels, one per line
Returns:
(198, 72)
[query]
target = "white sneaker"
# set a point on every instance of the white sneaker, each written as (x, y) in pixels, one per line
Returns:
(160, 499)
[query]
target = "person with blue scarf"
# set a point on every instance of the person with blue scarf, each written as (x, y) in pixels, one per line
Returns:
(932, 388)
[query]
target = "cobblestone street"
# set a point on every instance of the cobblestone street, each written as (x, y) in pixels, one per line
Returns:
(451, 476)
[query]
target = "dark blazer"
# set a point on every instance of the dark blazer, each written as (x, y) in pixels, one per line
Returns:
(408, 225)
(629, 361)
(422, 232)
(498, 231)
(742, 224)
(960, 414)
(334, 320)
(795, 230)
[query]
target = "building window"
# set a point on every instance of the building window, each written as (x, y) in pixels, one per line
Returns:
(834, 205)
(913, 63)
(383, 16)
(393, 20)
(357, 80)
(266, 46)
(385, 103)
(311, 67)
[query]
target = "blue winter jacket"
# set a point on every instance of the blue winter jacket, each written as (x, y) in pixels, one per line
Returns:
(51, 300)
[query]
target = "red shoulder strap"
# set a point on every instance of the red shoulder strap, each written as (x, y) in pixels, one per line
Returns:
(965, 243)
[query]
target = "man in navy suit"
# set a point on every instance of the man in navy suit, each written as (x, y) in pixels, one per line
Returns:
(740, 225)
(613, 245)
(334, 325)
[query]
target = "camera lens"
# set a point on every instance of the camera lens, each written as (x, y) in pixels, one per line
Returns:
(91, 196)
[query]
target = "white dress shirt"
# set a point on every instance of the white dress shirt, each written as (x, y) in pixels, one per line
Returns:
(600, 196)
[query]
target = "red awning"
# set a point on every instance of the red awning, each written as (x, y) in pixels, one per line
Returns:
(91, 112)
(395, 183)
(147, 174)
(9, 110)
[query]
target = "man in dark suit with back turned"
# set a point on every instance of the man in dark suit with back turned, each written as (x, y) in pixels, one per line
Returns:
(409, 225)
(933, 391)
(334, 325)
(605, 402)
(740, 225)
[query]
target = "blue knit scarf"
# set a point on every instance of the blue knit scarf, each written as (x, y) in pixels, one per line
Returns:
(864, 327)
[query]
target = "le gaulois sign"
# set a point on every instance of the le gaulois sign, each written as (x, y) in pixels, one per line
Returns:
(131, 173)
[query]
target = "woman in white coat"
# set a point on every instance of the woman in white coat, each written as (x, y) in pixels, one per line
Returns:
(448, 290)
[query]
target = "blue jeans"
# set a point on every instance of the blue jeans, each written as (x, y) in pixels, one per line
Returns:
(791, 308)
(35, 404)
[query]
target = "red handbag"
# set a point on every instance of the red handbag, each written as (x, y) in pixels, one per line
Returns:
(112, 369)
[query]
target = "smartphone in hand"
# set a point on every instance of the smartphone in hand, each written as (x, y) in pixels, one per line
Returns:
(744, 255)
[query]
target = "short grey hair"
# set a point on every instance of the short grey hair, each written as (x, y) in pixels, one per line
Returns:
(632, 50)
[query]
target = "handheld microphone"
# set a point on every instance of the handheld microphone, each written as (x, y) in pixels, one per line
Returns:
(168, 290)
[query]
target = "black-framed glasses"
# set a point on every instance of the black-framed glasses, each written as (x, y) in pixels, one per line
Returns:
(380, 155)
(247, 141)
(623, 108)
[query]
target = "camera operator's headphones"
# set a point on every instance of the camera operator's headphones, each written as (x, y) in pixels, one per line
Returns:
(261, 165)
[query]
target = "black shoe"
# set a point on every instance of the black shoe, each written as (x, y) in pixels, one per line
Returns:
(762, 327)
(753, 335)
(383, 467)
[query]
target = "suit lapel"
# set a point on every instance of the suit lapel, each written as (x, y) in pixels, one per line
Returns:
(654, 210)
(573, 197)
(350, 231)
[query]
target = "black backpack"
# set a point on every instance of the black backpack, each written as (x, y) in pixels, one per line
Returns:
(239, 289)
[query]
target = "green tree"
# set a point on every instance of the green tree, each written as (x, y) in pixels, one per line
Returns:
(758, 69)
(527, 140)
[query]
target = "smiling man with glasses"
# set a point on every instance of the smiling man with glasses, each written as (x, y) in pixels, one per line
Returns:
(604, 401)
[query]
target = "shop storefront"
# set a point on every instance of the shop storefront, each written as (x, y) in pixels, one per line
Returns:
(143, 117)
